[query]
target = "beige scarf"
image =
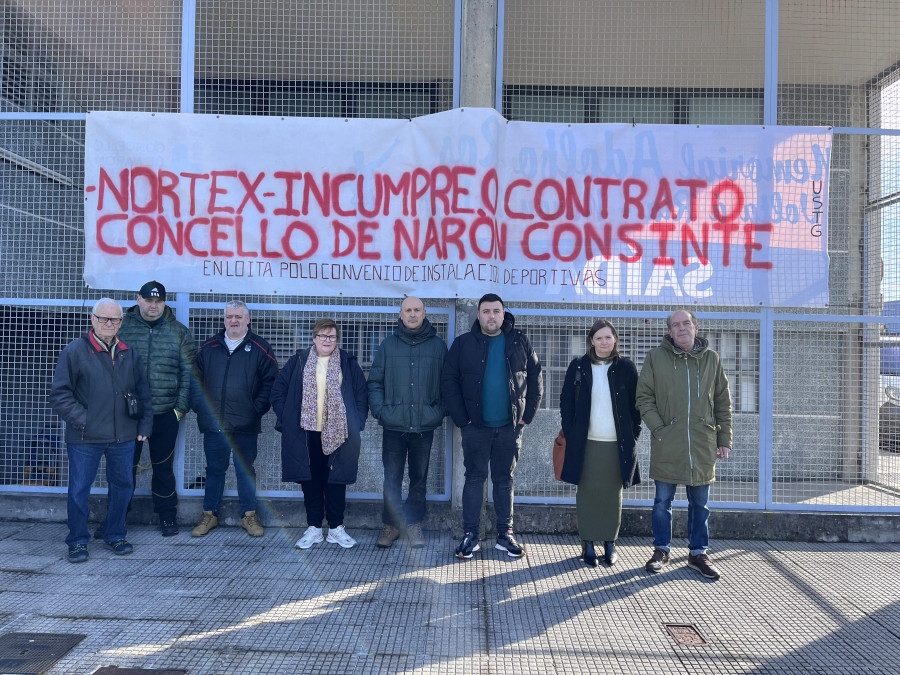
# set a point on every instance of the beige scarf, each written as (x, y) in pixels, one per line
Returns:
(334, 416)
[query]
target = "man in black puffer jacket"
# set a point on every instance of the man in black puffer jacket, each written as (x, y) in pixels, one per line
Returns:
(168, 350)
(235, 370)
(405, 397)
(492, 385)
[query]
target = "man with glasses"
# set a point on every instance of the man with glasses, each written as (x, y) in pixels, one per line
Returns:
(94, 379)
(405, 397)
(168, 350)
(234, 370)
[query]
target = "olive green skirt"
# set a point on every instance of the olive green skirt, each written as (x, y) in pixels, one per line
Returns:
(598, 500)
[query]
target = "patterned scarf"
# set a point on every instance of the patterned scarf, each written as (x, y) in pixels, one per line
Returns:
(334, 416)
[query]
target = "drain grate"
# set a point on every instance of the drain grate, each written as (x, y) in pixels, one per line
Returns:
(685, 634)
(34, 653)
(115, 670)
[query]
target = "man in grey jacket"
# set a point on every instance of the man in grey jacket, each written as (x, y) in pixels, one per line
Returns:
(405, 397)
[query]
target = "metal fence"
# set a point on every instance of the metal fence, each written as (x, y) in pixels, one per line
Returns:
(815, 427)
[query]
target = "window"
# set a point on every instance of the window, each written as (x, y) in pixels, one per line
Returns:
(633, 106)
(319, 99)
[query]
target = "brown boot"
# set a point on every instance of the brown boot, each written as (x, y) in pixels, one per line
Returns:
(207, 522)
(415, 536)
(251, 524)
(389, 534)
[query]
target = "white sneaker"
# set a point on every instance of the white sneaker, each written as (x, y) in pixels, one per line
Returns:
(338, 535)
(313, 535)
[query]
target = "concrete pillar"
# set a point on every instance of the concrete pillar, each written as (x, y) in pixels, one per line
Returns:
(478, 53)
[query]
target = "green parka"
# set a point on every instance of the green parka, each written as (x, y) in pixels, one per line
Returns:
(685, 402)
(168, 350)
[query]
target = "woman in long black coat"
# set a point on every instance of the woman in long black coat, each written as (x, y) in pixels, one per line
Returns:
(321, 401)
(601, 425)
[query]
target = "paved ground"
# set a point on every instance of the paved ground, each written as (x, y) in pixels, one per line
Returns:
(231, 604)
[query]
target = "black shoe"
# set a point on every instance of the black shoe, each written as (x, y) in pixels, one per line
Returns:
(588, 554)
(468, 546)
(506, 542)
(98, 533)
(610, 557)
(120, 547)
(657, 561)
(168, 527)
(78, 553)
(703, 564)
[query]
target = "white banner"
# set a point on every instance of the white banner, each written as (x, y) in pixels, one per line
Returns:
(457, 204)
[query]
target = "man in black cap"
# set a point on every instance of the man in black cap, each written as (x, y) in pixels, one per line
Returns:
(168, 351)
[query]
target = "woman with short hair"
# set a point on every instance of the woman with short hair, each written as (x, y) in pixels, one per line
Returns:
(321, 401)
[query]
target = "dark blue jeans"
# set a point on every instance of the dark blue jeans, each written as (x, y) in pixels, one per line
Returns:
(84, 460)
(497, 448)
(697, 520)
(162, 459)
(219, 447)
(398, 447)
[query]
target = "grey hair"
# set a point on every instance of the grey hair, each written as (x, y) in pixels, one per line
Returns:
(237, 304)
(105, 301)
(686, 311)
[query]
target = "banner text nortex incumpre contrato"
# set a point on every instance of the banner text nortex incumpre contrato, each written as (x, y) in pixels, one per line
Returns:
(457, 204)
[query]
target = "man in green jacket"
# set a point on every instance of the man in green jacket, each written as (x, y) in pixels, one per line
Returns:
(684, 400)
(168, 351)
(405, 397)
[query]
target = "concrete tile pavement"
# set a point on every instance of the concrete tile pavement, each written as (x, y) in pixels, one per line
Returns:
(229, 604)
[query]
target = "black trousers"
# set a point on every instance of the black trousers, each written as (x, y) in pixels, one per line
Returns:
(162, 459)
(323, 500)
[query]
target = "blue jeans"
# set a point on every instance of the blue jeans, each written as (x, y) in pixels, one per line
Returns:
(697, 521)
(398, 447)
(219, 446)
(84, 460)
(497, 448)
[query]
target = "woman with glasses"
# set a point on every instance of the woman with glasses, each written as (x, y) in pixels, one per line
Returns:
(601, 424)
(321, 401)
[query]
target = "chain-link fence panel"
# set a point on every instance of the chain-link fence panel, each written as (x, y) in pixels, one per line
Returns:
(324, 59)
(651, 62)
(290, 330)
(558, 339)
(73, 56)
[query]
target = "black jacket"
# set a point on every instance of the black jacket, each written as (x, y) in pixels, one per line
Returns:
(287, 397)
(231, 391)
(462, 377)
(575, 409)
(88, 392)
(405, 379)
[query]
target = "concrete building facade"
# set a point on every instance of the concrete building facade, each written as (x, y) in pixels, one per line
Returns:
(807, 384)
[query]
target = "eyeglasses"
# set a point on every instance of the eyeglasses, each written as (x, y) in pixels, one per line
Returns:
(115, 321)
(325, 338)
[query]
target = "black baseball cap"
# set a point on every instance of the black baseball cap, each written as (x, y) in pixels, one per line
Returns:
(153, 289)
